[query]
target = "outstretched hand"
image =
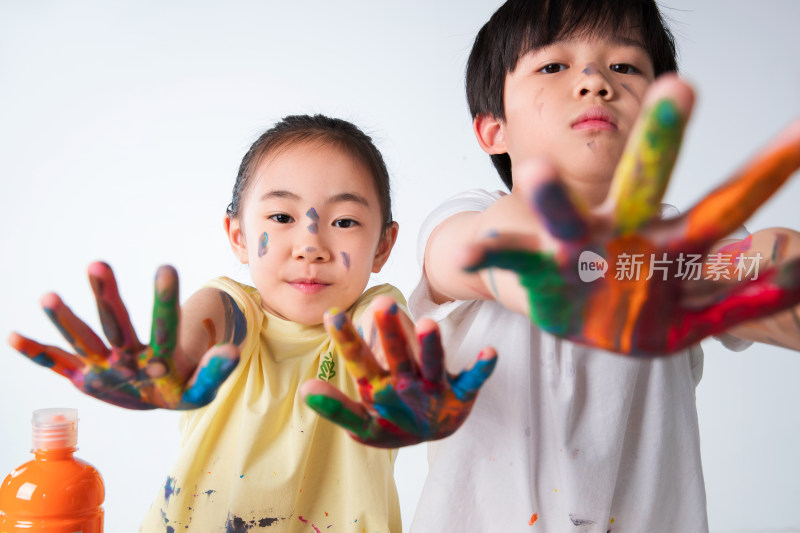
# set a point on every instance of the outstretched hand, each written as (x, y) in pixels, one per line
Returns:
(624, 280)
(410, 402)
(128, 373)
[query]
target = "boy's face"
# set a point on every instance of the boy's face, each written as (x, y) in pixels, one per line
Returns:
(575, 102)
(311, 231)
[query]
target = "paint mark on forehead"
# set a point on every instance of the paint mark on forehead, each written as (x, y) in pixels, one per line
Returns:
(314, 226)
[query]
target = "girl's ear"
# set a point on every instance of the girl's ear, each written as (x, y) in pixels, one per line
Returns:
(385, 247)
(236, 237)
(490, 133)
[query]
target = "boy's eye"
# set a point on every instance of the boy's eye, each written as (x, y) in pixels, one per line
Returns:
(281, 218)
(552, 68)
(624, 68)
(345, 223)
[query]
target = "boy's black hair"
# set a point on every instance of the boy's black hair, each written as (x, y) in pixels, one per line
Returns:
(520, 26)
(297, 129)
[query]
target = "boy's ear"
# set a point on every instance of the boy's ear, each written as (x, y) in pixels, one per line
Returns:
(236, 238)
(490, 133)
(385, 247)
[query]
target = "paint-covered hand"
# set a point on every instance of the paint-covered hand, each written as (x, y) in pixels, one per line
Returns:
(409, 403)
(128, 373)
(622, 279)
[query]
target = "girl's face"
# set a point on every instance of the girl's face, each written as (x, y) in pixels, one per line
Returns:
(311, 230)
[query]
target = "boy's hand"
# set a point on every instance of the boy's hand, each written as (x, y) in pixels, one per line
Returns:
(128, 373)
(407, 404)
(643, 297)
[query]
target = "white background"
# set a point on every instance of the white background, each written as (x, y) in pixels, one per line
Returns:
(122, 126)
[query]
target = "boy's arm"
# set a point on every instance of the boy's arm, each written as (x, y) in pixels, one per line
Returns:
(767, 249)
(448, 280)
(172, 371)
(407, 396)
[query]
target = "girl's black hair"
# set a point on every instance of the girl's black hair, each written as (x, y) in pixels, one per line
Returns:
(315, 128)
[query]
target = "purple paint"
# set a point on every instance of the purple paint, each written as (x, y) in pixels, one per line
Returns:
(590, 69)
(346, 260)
(262, 245)
(630, 91)
(314, 226)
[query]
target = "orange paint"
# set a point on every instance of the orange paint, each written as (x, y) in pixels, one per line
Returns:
(534, 518)
(55, 491)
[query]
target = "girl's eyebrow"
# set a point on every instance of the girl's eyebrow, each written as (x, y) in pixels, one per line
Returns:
(348, 197)
(336, 198)
(278, 193)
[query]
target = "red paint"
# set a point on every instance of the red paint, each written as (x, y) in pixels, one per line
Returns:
(534, 518)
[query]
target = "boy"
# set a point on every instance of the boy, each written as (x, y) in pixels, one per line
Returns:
(564, 436)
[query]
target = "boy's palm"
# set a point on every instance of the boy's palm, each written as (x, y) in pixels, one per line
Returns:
(624, 280)
(128, 373)
(410, 402)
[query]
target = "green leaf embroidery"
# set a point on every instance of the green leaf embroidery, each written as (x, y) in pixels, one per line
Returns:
(326, 370)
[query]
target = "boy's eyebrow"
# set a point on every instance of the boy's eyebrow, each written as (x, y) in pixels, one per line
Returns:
(627, 41)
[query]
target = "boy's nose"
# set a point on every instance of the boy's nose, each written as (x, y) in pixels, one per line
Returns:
(592, 82)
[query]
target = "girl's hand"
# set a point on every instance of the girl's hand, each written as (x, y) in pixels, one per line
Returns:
(624, 280)
(410, 402)
(128, 373)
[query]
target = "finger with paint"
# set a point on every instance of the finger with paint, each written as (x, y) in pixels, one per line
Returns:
(128, 373)
(408, 403)
(653, 314)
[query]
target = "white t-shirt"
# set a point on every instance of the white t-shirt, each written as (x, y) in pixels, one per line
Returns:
(562, 437)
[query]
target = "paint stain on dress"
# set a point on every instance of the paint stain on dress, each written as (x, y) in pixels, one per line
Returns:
(534, 518)
(579, 521)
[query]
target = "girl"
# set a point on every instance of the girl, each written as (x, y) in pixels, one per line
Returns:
(311, 217)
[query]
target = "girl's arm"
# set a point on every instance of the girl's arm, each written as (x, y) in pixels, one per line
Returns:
(173, 371)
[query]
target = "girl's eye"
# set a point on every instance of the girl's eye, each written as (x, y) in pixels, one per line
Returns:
(345, 223)
(281, 218)
(624, 68)
(552, 68)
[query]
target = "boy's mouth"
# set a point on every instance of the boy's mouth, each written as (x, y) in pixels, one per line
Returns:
(595, 118)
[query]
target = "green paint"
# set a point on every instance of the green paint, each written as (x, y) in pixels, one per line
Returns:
(550, 305)
(334, 411)
(166, 312)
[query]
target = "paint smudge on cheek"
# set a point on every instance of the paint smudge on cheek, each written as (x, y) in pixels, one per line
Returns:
(346, 260)
(262, 245)
(631, 92)
(314, 226)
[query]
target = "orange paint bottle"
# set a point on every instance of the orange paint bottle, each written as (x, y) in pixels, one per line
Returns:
(55, 492)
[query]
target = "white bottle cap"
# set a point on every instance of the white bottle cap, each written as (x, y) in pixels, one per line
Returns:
(55, 428)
